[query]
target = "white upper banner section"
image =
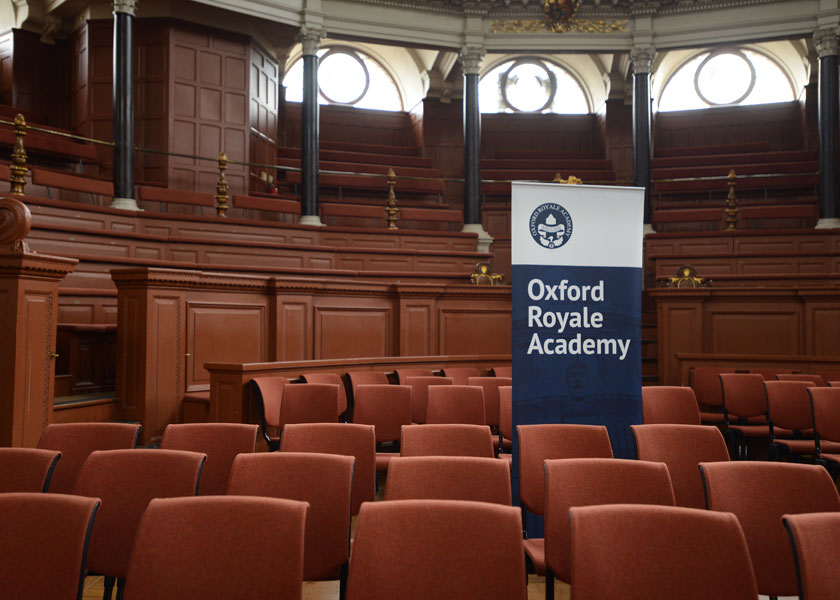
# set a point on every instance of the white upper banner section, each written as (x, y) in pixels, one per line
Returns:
(576, 225)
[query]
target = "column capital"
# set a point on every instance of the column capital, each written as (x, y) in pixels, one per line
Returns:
(642, 59)
(125, 6)
(470, 58)
(310, 38)
(827, 42)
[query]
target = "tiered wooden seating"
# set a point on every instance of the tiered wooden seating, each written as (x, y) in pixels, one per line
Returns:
(163, 196)
(45, 148)
(773, 188)
(63, 181)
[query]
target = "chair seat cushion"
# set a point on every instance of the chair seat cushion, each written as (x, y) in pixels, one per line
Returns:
(535, 551)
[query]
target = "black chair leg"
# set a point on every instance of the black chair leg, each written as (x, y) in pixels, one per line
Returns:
(342, 581)
(120, 588)
(549, 584)
(108, 586)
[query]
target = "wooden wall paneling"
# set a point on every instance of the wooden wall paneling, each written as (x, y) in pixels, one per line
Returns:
(418, 320)
(537, 132)
(151, 98)
(40, 72)
(292, 324)
(6, 63)
(345, 327)
(263, 114)
(679, 328)
(79, 84)
(465, 327)
(359, 125)
(443, 143)
(822, 325)
(754, 325)
(619, 138)
(100, 90)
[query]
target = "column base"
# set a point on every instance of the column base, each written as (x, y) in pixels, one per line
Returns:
(648, 228)
(125, 204)
(311, 220)
(830, 223)
(484, 238)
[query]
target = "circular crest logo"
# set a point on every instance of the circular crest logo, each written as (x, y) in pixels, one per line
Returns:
(551, 225)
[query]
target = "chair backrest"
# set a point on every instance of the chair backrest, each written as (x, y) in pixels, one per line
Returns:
(76, 441)
(491, 387)
(706, 385)
(789, 405)
(658, 552)
(455, 404)
(335, 379)
(126, 480)
(348, 439)
(386, 407)
(448, 478)
(268, 396)
(420, 393)
(358, 378)
(218, 547)
(26, 469)
(403, 374)
(446, 440)
(538, 443)
(43, 542)
(506, 411)
(669, 404)
(324, 481)
(743, 394)
(812, 379)
(588, 481)
(682, 448)
(814, 538)
(759, 493)
(421, 549)
(309, 403)
(769, 373)
(460, 375)
(825, 403)
(221, 442)
(502, 371)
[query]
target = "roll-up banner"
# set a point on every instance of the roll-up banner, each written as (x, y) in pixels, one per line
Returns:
(576, 254)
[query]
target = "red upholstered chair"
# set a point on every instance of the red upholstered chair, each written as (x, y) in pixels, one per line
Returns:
(387, 408)
(744, 398)
(421, 549)
(335, 379)
(706, 385)
(505, 418)
(268, 396)
(325, 482)
(814, 539)
(348, 439)
(589, 481)
(502, 371)
(791, 418)
(448, 478)
(658, 552)
(455, 404)
(403, 374)
(420, 393)
(491, 387)
(358, 378)
(460, 375)
(825, 404)
(309, 403)
(26, 469)
(126, 480)
(814, 380)
(770, 373)
(76, 441)
(682, 448)
(759, 493)
(669, 404)
(538, 443)
(221, 442)
(446, 440)
(43, 542)
(218, 547)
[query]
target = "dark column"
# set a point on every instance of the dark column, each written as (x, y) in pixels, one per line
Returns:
(642, 59)
(310, 39)
(470, 65)
(123, 106)
(826, 41)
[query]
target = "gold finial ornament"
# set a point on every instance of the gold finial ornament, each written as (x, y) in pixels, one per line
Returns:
(571, 179)
(18, 168)
(391, 211)
(222, 188)
(484, 275)
(687, 278)
(731, 203)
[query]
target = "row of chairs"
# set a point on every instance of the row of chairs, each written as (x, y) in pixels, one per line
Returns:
(797, 419)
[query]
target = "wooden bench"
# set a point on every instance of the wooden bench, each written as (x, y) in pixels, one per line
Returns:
(75, 183)
(547, 163)
(539, 154)
(728, 161)
(712, 216)
(768, 182)
(50, 146)
(365, 168)
(394, 160)
(166, 196)
(714, 149)
(806, 213)
(371, 148)
(764, 168)
(371, 183)
(365, 211)
(276, 204)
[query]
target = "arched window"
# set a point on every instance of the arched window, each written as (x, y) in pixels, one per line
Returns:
(531, 85)
(726, 77)
(346, 77)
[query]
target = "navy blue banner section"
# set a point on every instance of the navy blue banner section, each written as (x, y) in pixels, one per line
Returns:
(577, 348)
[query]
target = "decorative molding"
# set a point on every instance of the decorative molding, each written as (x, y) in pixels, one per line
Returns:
(128, 7)
(51, 27)
(575, 25)
(642, 59)
(470, 59)
(827, 42)
(15, 223)
(310, 39)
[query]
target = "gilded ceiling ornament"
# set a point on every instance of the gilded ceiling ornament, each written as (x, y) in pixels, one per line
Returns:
(560, 14)
(541, 26)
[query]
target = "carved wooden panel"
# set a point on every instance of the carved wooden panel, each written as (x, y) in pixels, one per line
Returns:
(823, 328)
(293, 326)
(264, 82)
(754, 327)
(679, 327)
(472, 331)
(351, 329)
(418, 333)
(165, 365)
